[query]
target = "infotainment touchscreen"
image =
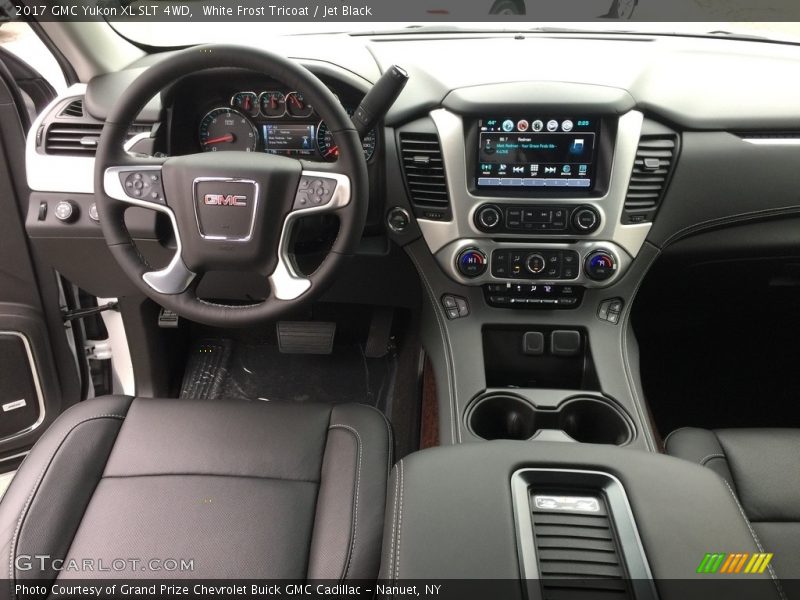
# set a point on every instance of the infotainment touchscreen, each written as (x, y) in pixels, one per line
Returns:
(537, 152)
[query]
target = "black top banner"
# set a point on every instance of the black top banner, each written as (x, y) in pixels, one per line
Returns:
(487, 12)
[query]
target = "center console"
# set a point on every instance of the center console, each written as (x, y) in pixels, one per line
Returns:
(552, 520)
(534, 201)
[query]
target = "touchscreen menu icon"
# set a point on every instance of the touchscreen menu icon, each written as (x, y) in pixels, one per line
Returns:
(577, 146)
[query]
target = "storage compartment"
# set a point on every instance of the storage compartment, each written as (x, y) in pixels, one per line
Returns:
(500, 416)
(512, 358)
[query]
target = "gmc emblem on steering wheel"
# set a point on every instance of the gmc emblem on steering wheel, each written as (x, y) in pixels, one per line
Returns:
(224, 200)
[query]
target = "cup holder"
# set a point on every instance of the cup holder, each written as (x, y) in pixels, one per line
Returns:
(502, 417)
(587, 420)
(593, 422)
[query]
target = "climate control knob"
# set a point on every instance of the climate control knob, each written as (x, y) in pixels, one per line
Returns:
(586, 219)
(600, 265)
(488, 217)
(535, 263)
(471, 262)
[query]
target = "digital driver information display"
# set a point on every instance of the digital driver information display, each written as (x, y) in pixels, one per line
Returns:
(537, 153)
(290, 139)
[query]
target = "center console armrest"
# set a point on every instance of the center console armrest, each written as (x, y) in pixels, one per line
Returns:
(452, 514)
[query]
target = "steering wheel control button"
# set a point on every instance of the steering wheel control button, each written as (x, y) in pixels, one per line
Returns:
(471, 263)
(142, 185)
(455, 306)
(66, 211)
(488, 217)
(610, 310)
(313, 192)
(398, 219)
(586, 219)
(93, 214)
(600, 265)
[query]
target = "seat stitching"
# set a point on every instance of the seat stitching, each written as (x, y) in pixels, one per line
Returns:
(705, 459)
(394, 522)
(23, 515)
(229, 475)
(390, 435)
(354, 536)
(757, 541)
(400, 521)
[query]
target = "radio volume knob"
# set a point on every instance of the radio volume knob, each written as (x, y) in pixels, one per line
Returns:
(586, 219)
(488, 217)
(471, 263)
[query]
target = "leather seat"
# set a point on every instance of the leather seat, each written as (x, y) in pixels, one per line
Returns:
(261, 490)
(762, 467)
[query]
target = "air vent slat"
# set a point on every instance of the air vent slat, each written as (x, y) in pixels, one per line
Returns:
(423, 168)
(79, 138)
(655, 157)
(73, 109)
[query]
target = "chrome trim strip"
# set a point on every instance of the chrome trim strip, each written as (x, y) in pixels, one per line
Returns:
(787, 141)
(286, 283)
(176, 276)
(37, 385)
(222, 238)
(14, 456)
(439, 234)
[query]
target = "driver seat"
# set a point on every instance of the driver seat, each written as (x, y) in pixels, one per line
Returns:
(244, 490)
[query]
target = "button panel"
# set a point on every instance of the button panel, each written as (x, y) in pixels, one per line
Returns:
(143, 185)
(526, 295)
(532, 263)
(536, 219)
(455, 307)
(313, 192)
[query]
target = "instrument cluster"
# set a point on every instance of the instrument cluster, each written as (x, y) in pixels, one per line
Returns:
(273, 121)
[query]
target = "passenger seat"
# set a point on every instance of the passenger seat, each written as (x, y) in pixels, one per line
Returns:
(762, 468)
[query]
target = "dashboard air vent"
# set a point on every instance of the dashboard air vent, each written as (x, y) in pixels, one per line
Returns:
(577, 550)
(73, 109)
(652, 168)
(72, 139)
(423, 168)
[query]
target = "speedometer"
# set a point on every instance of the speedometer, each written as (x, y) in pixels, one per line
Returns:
(227, 129)
(330, 151)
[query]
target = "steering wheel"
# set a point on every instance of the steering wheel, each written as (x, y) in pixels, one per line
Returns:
(231, 211)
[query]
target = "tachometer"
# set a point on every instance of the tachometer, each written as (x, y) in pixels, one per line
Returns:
(247, 102)
(227, 129)
(330, 151)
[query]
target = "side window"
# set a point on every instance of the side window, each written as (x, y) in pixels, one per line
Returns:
(18, 38)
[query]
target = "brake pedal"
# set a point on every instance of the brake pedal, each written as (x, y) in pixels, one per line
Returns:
(305, 337)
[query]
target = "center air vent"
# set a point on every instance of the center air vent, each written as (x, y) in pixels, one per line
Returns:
(72, 139)
(423, 168)
(576, 548)
(73, 109)
(652, 168)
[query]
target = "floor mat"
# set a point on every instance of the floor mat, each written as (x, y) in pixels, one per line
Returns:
(224, 369)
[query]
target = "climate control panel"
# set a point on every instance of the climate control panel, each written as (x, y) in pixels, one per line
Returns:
(535, 263)
(537, 219)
